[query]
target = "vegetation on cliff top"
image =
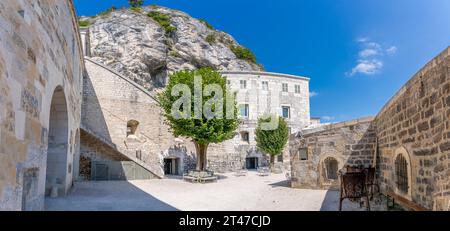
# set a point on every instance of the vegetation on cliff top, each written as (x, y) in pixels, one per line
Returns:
(243, 53)
(163, 20)
(206, 24)
(83, 23)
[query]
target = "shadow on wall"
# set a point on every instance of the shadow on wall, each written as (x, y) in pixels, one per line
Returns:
(107, 196)
(93, 118)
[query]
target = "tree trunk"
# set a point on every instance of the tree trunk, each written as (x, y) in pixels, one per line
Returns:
(272, 161)
(201, 156)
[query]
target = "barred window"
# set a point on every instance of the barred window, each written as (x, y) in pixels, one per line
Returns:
(401, 173)
(280, 158)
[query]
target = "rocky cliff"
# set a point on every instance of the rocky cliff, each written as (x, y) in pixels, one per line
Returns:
(146, 44)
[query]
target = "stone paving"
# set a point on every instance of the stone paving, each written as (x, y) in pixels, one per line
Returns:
(245, 193)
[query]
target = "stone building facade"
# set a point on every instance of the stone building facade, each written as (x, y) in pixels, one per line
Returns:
(318, 154)
(412, 141)
(260, 93)
(41, 66)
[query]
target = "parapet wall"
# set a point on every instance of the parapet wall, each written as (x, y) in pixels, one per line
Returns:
(416, 124)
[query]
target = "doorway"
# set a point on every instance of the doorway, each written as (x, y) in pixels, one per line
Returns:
(57, 157)
(252, 163)
(171, 166)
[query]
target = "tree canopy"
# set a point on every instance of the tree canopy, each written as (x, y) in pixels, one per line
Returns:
(272, 141)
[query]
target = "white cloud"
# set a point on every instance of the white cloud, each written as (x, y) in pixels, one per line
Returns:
(313, 94)
(368, 67)
(373, 45)
(327, 118)
(391, 50)
(370, 61)
(368, 52)
(362, 39)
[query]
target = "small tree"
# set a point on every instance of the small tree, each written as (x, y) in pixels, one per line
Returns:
(136, 3)
(206, 123)
(272, 141)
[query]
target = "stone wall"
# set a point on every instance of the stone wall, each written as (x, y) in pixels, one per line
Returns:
(416, 124)
(349, 143)
(40, 57)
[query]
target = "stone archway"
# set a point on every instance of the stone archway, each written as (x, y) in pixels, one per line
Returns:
(58, 142)
(402, 173)
(328, 170)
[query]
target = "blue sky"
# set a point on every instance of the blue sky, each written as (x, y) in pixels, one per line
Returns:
(358, 53)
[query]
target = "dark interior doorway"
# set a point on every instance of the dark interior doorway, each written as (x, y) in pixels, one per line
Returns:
(171, 166)
(252, 163)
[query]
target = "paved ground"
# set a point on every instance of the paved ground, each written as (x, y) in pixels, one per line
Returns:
(233, 193)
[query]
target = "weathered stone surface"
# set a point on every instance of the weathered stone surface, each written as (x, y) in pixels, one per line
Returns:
(39, 52)
(139, 48)
(357, 135)
(426, 145)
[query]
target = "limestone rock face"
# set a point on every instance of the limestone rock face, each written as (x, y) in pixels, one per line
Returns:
(138, 47)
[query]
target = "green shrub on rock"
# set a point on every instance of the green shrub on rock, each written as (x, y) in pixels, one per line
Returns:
(84, 23)
(211, 38)
(206, 24)
(243, 53)
(163, 20)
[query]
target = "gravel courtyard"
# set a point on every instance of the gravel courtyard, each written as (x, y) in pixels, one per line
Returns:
(250, 192)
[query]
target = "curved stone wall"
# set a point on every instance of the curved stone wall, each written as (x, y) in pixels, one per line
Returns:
(417, 119)
(40, 51)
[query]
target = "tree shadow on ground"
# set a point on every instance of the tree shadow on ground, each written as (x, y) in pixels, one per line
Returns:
(107, 196)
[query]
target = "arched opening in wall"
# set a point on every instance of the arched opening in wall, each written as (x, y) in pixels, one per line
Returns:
(132, 126)
(56, 171)
(245, 137)
(401, 174)
(330, 169)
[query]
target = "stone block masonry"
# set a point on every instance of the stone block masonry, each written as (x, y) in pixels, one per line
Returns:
(41, 68)
(317, 154)
(415, 123)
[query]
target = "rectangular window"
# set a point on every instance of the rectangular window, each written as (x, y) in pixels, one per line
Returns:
(280, 158)
(243, 84)
(285, 87)
(244, 110)
(303, 154)
(286, 112)
(265, 85)
(297, 89)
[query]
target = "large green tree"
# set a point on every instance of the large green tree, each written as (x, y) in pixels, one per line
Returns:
(197, 105)
(272, 139)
